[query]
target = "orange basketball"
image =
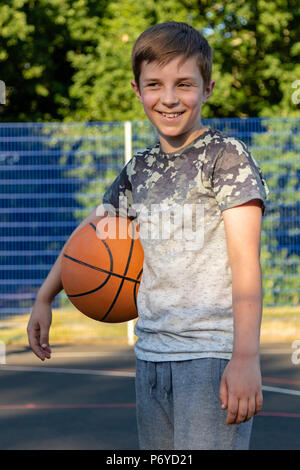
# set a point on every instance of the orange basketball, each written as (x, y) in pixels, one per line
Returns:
(102, 267)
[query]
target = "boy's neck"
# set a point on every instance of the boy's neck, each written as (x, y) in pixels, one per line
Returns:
(167, 146)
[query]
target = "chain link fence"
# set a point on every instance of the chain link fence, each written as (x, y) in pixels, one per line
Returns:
(54, 174)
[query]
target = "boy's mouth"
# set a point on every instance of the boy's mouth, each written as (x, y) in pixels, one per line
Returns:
(171, 115)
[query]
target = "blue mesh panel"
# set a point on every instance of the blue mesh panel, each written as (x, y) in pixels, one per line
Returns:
(54, 174)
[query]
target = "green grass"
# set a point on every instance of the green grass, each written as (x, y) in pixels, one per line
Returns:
(68, 326)
(280, 324)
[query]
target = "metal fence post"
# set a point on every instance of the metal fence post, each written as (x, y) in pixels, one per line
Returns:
(127, 157)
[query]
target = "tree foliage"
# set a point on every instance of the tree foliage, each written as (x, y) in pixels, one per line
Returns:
(71, 59)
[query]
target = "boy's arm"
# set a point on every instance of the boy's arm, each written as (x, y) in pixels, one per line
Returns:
(41, 315)
(240, 389)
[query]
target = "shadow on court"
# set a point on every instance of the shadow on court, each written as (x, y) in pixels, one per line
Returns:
(84, 398)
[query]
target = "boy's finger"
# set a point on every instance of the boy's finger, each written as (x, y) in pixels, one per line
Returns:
(44, 341)
(233, 406)
(242, 411)
(223, 394)
(33, 333)
(251, 408)
(34, 344)
(46, 350)
(44, 337)
(258, 402)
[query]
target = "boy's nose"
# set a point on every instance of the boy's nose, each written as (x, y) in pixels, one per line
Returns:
(169, 97)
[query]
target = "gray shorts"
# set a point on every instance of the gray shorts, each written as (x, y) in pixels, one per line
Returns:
(178, 407)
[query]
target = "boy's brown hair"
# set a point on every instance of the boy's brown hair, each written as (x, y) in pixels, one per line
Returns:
(165, 41)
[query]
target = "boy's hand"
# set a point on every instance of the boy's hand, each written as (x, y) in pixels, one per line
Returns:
(240, 389)
(38, 329)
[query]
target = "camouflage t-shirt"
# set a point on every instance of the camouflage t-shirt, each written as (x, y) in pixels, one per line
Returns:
(185, 295)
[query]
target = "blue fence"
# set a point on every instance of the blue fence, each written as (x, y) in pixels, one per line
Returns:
(54, 174)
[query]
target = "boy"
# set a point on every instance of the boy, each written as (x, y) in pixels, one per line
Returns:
(200, 297)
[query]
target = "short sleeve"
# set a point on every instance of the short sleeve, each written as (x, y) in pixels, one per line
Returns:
(118, 197)
(237, 178)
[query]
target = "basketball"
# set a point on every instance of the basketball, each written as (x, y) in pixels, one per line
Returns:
(102, 266)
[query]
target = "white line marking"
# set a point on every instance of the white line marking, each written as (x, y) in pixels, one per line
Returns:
(287, 391)
(114, 373)
(59, 370)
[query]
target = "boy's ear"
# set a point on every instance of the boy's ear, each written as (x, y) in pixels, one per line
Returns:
(135, 88)
(209, 91)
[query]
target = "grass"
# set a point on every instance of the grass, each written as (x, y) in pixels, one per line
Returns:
(68, 326)
(280, 324)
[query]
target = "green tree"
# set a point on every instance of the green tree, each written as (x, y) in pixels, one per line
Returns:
(36, 36)
(255, 47)
(71, 59)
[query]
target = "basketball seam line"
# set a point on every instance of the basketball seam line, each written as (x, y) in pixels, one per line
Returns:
(122, 282)
(100, 269)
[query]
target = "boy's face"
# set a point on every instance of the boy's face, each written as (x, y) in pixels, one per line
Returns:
(172, 96)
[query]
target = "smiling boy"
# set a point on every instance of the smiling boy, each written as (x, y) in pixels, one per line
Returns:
(199, 306)
(172, 96)
(198, 379)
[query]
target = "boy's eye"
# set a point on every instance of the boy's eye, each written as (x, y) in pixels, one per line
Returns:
(156, 84)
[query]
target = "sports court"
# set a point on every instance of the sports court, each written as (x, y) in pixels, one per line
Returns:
(84, 398)
(70, 122)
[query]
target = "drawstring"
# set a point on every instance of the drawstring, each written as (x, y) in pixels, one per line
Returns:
(152, 375)
(166, 377)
